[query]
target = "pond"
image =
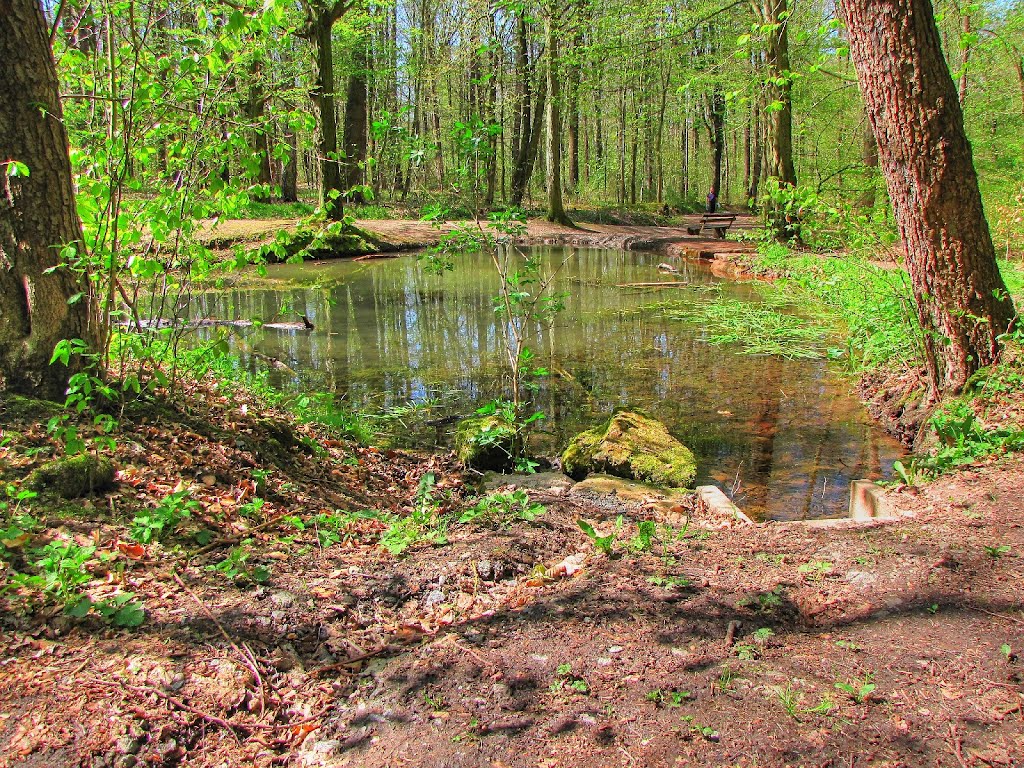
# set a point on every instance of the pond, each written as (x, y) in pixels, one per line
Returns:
(783, 437)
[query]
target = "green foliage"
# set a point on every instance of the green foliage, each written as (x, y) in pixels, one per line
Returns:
(859, 688)
(151, 525)
(874, 304)
(646, 535)
(501, 510)
(769, 327)
(423, 524)
(606, 543)
(235, 566)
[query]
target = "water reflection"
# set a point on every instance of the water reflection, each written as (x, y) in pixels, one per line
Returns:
(787, 435)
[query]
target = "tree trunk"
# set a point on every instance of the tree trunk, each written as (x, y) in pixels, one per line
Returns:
(256, 110)
(716, 135)
(290, 167)
(556, 212)
(355, 126)
(869, 150)
(38, 217)
(331, 185)
(963, 305)
(780, 91)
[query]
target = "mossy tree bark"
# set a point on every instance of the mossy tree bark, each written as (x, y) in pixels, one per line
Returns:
(38, 217)
(914, 109)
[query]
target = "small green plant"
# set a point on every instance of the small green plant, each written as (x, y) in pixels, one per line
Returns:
(726, 678)
(997, 551)
(150, 525)
(669, 582)
(235, 566)
(435, 702)
(848, 645)
(859, 688)
(816, 570)
(567, 681)
(704, 731)
(767, 602)
(500, 510)
(789, 699)
(1008, 653)
(671, 699)
(745, 652)
(121, 610)
(823, 707)
(763, 635)
(424, 524)
(645, 537)
(606, 543)
(907, 473)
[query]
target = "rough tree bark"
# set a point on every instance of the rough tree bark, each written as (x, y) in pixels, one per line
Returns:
(37, 213)
(913, 106)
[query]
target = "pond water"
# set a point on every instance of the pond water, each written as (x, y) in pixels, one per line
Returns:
(784, 437)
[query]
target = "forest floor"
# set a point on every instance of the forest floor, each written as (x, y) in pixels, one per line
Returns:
(279, 631)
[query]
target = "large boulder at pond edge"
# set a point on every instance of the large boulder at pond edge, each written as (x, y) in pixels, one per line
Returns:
(485, 443)
(73, 477)
(634, 447)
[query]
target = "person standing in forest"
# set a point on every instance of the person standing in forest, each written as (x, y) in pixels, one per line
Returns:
(712, 201)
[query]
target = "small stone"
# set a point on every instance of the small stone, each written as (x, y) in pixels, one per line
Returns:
(128, 745)
(615, 649)
(436, 597)
(282, 598)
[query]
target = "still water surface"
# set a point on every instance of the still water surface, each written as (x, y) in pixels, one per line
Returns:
(785, 437)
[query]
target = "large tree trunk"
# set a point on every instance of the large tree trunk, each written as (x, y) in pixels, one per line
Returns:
(775, 12)
(912, 103)
(556, 212)
(38, 217)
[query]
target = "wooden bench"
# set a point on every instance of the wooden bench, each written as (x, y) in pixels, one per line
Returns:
(719, 222)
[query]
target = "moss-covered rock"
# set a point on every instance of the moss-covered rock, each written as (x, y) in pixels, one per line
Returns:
(74, 477)
(324, 241)
(485, 443)
(634, 447)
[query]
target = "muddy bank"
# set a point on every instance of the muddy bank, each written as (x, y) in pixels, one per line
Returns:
(394, 236)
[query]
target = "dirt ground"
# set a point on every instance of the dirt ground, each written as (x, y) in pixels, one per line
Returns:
(775, 644)
(409, 234)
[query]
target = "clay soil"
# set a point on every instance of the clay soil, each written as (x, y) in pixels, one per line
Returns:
(720, 645)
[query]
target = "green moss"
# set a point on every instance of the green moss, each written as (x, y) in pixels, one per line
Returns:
(323, 242)
(73, 477)
(634, 447)
(17, 408)
(485, 443)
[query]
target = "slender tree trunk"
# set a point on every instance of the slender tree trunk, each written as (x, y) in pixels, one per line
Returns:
(290, 167)
(965, 55)
(716, 134)
(869, 155)
(780, 91)
(331, 182)
(38, 217)
(355, 126)
(556, 211)
(256, 111)
(963, 305)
